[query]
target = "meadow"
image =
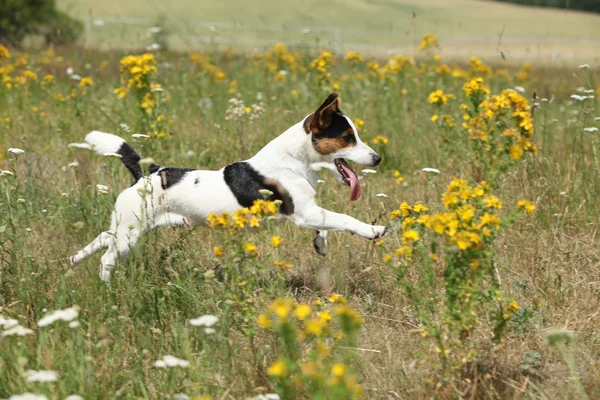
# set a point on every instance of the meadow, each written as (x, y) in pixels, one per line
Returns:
(486, 286)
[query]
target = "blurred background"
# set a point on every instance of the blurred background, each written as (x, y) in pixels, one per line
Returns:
(537, 30)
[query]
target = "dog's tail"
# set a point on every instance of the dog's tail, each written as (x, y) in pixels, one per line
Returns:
(107, 144)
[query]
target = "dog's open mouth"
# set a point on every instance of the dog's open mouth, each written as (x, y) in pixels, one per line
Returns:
(349, 177)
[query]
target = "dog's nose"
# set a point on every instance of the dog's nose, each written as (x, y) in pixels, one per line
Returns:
(376, 160)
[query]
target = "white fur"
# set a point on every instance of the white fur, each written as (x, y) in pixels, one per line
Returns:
(287, 158)
(104, 143)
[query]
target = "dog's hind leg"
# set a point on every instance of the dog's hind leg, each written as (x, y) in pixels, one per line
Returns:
(320, 242)
(119, 248)
(102, 241)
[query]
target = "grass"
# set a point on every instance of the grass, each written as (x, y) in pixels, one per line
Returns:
(547, 263)
(373, 27)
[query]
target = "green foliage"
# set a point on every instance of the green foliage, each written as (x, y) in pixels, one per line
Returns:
(584, 5)
(19, 18)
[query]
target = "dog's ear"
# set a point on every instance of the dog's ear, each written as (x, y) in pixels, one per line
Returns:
(322, 118)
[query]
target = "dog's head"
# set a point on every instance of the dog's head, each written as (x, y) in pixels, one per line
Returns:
(335, 138)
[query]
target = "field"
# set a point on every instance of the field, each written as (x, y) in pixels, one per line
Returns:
(486, 286)
(373, 27)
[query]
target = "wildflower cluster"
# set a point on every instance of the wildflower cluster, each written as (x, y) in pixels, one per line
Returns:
(245, 217)
(279, 60)
(310, 334)
(207, 68)
(429, 41)
(321, 66)
(238, 111)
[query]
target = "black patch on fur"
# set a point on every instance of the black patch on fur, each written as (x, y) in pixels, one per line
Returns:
(171, 176)
(196, 181)
(131, 160)
(245, 183)
(153, 168)
(339, 125)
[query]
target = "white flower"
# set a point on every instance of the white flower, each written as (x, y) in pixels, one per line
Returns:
(157, 90)
(580, 98)
(116, 155)
(70, 71)
(209, 331)
(205, 320)
(101, 188)
(265, 193)
(147, 160)
(80, 145)
(76, 77)
(5, 172)
(597, 119)
(125, 127)
(17, 331)
(28, 396)
(40, 376)
(268, 396)
(259, 96)
(15, 150)
(74, 164)
(434, 170)
(591, 129)
(368, 171)
(68, 314)
(283, 72)
(140, 136)
(381, 195)
(190, 153)
(171, 362)
(155, 29)
(583, 66)
(520, 89)
(153, 47)
(74, 324)
(98, 22)
(320, 181)
(181, 396)
(74, 397)
(589, 91)
(8, 323)
(563, 193)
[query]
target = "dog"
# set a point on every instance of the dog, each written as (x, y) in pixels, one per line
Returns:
(181, 196)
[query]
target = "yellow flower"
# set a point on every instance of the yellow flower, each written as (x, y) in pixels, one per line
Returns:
(358, 123)
(264, 321)
(302, 311)
(276, 241)
(418, 208)
(282, 307)
(526, 205)
(492, 202)
(294, 93)
(404, 251)
(380, 139)
(85, 81)
(4, 53)
(324, 316)
(387, 258)
(353, 57)
(314, 326)
(410, 235)
(283, 265)
(405, 208)
(338, 370)
(434, 117)
(218, 251)
(250, 248)
(337, 298)
(428, 40)
(516, 152)
(278, 369)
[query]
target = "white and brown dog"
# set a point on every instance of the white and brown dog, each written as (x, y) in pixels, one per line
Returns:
(177, 196)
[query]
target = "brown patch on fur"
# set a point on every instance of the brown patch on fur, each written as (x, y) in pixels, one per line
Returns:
(327, 146)
(306, 124)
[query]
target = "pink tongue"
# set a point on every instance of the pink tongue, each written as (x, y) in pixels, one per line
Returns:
(354, 185)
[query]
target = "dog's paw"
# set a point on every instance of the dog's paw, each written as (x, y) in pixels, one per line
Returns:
(73, 261)
(378, 231)
(320, 242)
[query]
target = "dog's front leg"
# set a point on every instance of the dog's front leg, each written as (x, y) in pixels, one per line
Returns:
(318, 218)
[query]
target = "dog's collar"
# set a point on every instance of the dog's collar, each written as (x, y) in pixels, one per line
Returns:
(307, 123)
